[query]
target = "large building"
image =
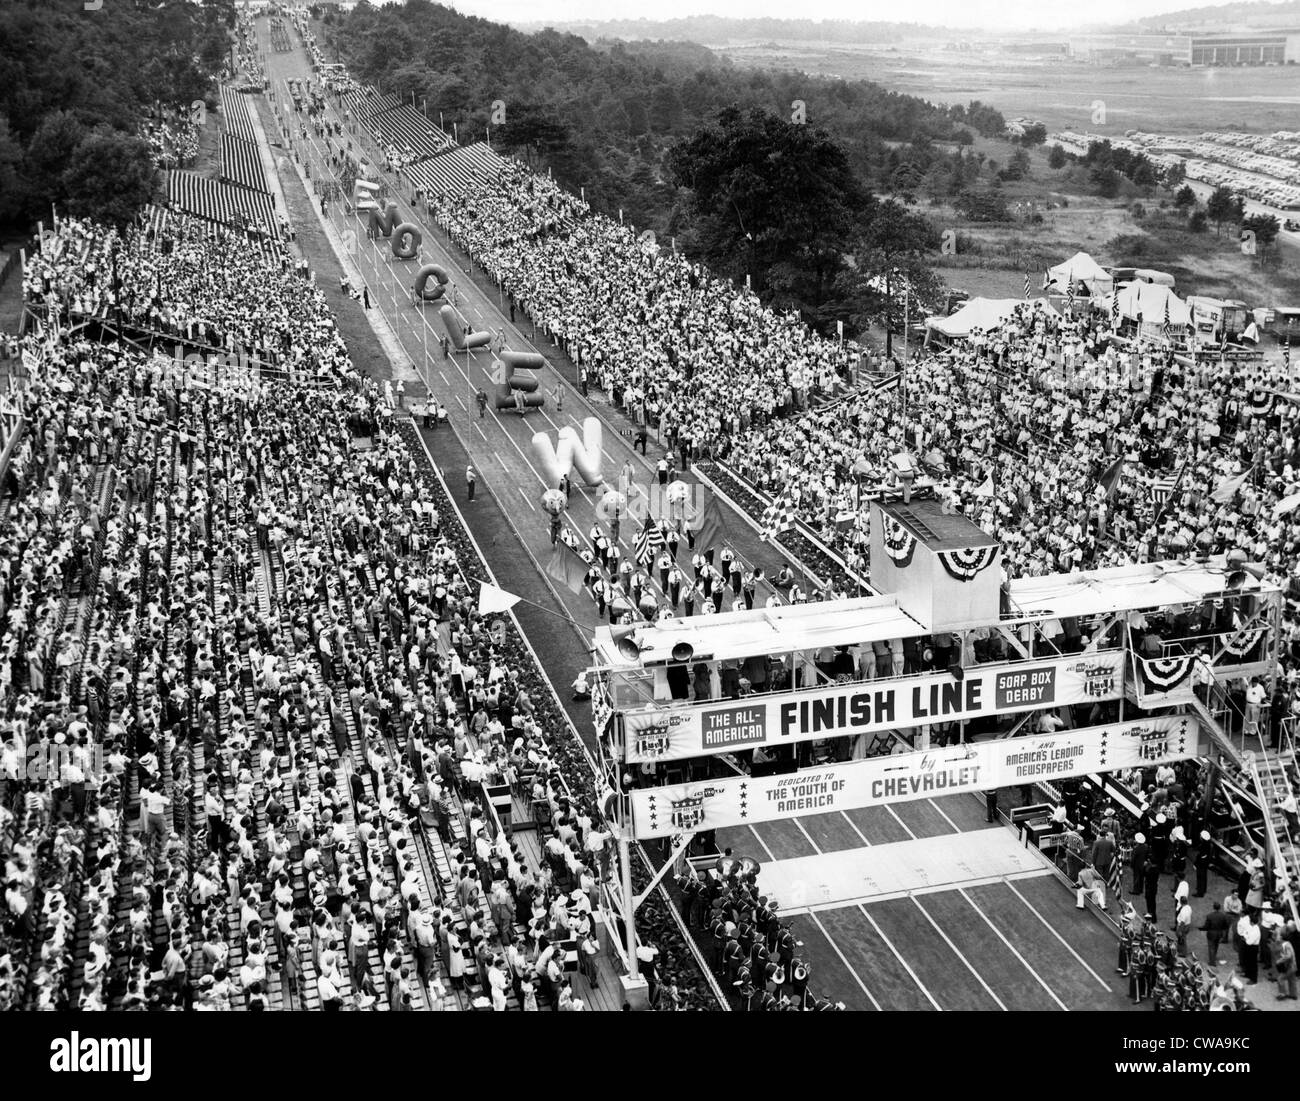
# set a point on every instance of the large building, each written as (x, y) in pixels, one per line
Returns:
(1264, 47)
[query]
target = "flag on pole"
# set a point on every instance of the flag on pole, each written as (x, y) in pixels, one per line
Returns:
(1026, 284)
(987, 489)
(1114, 308)
(1161, 488)
(1110, 479)
(1166, 329)
(708, 525)
(1173, 491)
(1286, 355)
(491, 599)
(1226, 490)
(779, 515)
(566, 568)
(648, 540)
(1069, 292)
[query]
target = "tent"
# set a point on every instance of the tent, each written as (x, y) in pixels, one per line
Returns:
(1082, 268)
(982, 313)
(1146, 302)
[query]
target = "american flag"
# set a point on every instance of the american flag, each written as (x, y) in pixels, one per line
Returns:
(779, 515)
(1114, 306)
(648, 541)
(1166, 328)
(1069, 293)
(1161, 488)
(1286, 355)
(1026, 284)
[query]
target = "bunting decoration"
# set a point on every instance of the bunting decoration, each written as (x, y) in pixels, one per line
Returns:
(1238, 645)
(966, 563)
(900, 544)
(1164, 680)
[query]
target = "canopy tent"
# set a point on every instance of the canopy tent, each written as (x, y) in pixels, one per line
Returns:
(983, 313)
(1146, 304)
(1082, 268)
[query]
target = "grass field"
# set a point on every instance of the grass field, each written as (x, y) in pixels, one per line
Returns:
(1058, 92)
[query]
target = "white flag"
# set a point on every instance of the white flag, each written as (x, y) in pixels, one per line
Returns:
(491, 599)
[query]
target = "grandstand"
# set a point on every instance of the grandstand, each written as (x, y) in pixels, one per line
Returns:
(458, 171)
(235, 117)
(241, 164)
(222, 202)
(408, 129)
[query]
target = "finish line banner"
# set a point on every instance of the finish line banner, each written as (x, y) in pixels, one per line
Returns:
(864, 707)
(901, 778)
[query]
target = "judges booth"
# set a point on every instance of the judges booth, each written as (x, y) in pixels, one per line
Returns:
(944, 657)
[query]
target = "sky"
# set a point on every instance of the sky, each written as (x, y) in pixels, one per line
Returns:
(1050, 15)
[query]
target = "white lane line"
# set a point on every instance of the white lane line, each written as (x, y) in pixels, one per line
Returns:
(526, 498)
(1082, 963)
(816, 847)
(759, 837)
(900, 821)
(854, 826)
(501, 461)
(1023, 962)
(462, 404)
(957, 951)
(899, 956)
(955, 828)
(844, 960)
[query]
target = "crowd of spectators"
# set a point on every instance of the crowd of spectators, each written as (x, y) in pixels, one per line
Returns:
(207, 289)
(243, 608)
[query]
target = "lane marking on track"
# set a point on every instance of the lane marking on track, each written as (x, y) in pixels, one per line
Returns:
(844, 960)
(957, 951)
(462, 404)
(854, 826)
(501, 461)
(816, 848)
(526, 498)
(1082, 962)
(899, 956)
(759, 837)
(900, 821)
(955, 828)
(1023, 962)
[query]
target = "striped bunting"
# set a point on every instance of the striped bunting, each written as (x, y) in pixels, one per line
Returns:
(966, 563)
(900, 544)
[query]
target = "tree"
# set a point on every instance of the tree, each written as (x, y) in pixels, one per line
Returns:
(533, 130)
(1144, 175)
(1056, 158)
(1035, 134)
(110, 179)
(1175, 174)
(1219, 207)
(1265, 227)
(1197, 222)
(1106, 180)
(12, 190)
(764, 192)
(1185, 198)
(49, 155)
(892, 254)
